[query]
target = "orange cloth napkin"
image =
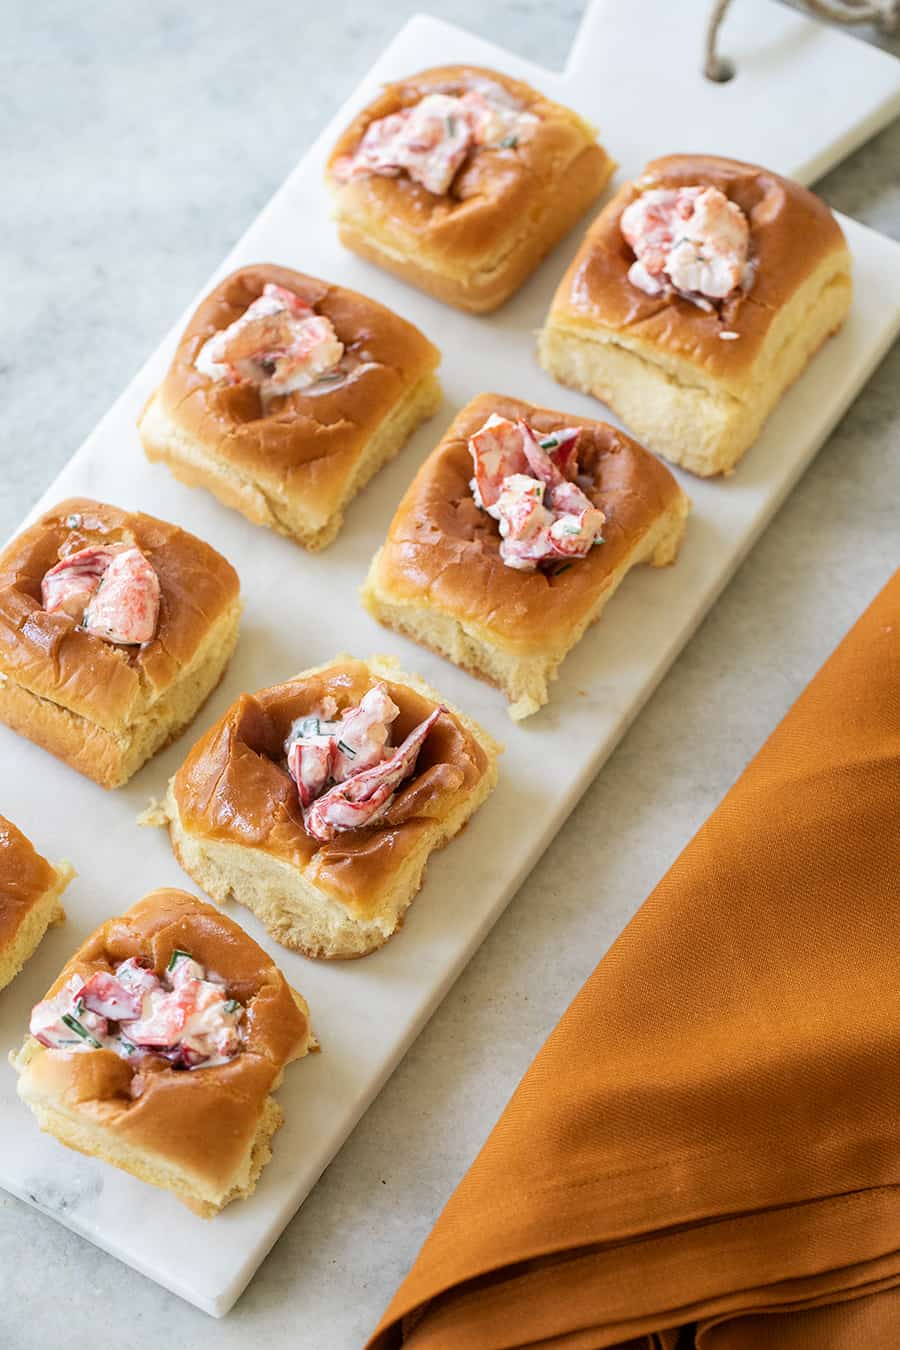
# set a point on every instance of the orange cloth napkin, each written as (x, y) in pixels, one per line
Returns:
(710, 1139)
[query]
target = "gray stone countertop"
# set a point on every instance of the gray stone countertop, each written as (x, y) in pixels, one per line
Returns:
(138, 140)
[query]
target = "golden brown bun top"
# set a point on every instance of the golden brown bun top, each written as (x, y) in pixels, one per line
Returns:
(24, 878)
(792, 232)
(311, 436)
(443, 551)
(200, 1118)
(496, 190)
(233, 786)
(51, 656)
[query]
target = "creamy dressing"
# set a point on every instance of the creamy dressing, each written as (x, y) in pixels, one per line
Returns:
(430, 140)
(345, 771)
(690, 240)
(185, 1017)
(527, 483)
(112, 591)
(319, 748)
(279, 344)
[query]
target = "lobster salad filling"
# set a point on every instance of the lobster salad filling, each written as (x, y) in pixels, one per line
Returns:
(430, 140)
(279, 344)
(346, 772)
(529, 483)
(689, 241)
(185, 1016)
(112, 590)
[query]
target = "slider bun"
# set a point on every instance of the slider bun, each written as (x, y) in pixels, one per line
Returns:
(439, 577)
(660, 362)
(103, 708)
(236, 826)
(294, 468)
(202, 1133)
(506, 208)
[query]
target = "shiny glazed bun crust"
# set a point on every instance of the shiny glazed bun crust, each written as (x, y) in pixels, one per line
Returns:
(294, 466)
(661, 361)
(506, 207)
(105, 708)
(236, 825)
(440, 579)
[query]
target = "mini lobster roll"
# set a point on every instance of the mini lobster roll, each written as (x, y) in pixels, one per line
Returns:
(698, 296)
(159, 1045)
(460, 180)
(286, 395)
(514, 534)
(114, 629)
(316, 803)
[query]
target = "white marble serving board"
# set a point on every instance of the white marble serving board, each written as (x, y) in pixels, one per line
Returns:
(303, 609)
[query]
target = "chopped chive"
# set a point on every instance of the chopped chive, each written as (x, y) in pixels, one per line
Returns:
(451, 126)
(231, 1005)
(347, 749)
(564, 568)
(328, 378)
(73, 522)
(178, 955)
(309, 727)
(74, 1025)
(509, 142)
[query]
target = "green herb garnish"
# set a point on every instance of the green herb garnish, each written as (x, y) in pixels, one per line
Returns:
(74, 1025)
(231, 1005)
(549, 443)
(309, 727)
(178, 955)
(329, 378)
(564, 568)
(509, 142)
(451, 126)
(347, 749)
